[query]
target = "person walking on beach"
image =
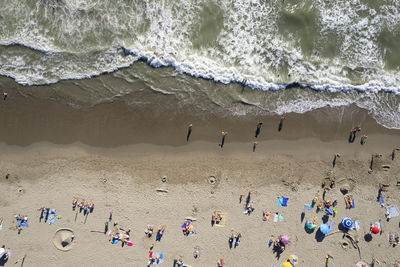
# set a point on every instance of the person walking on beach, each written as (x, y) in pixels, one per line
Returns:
(353, 133)
(334, 159)
(237, 240)
(223, 139)
(189, 132)
(258, 130)
(363, 139)
(254, 146)
(281, 123)
(244, 84)
(5, 95)
(394, 152)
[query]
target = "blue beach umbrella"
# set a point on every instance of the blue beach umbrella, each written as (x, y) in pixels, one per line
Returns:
(347, 223)
(324, 228)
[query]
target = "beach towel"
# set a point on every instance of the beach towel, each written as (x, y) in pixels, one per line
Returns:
(331, 226)
(282, 201)
(392, 211)
(280, 217)
(357, 225)
(381, 201)
(329, 212)
(352, 204)
(22, 223)
(223, 220)
(308, 207)
(351, 200)
(185, 224)
(159, 258)
(52, 217)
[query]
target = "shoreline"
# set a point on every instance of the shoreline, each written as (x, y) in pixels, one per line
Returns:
(28, 118)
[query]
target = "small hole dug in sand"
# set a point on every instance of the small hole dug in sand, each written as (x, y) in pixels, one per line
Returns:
(63, 239)
(212, 180)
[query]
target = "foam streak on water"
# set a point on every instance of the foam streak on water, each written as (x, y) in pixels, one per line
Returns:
(332, 46)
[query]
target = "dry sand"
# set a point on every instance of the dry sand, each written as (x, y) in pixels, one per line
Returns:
(125, 180)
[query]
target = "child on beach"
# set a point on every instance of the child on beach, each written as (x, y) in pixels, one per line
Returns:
(196, 252)
(266, 215)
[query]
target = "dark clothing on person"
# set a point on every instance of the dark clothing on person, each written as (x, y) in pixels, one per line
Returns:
(258, 130)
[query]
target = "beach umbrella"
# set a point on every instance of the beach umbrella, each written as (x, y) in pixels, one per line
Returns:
(324, 228)
(347, 223)
(285, 239)
(293, 259)
(311, 225)
(287, 264)
(361, 264)
(375, 230)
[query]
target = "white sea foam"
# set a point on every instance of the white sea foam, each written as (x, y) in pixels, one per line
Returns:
(79, 39)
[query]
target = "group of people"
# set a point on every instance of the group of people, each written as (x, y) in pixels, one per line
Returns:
(160, 232)
(216, 218)
(86, 207)
(44, 213)
(234, 240)
(187, 228)
(5, 254)
(22, 221)
(119, 234)
(225, 133)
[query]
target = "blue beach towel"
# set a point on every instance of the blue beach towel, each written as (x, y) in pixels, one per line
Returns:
(282, 201)
(381, 200)
(352, 204)
(22, 223)
(52, 217)
(308, 207)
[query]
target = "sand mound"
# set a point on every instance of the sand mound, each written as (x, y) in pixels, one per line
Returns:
(63, 239)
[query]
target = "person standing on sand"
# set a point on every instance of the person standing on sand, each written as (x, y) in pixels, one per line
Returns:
(363, 139)
(258, 130)
(353, 133)
(223, 139)
(394, 152)
(281, 123)
(189, 132)
(254, 146)
(334, 160)
(5, 95)
(244, 84)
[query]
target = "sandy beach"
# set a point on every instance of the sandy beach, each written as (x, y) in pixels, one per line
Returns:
(53, 154)
(119, 118)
